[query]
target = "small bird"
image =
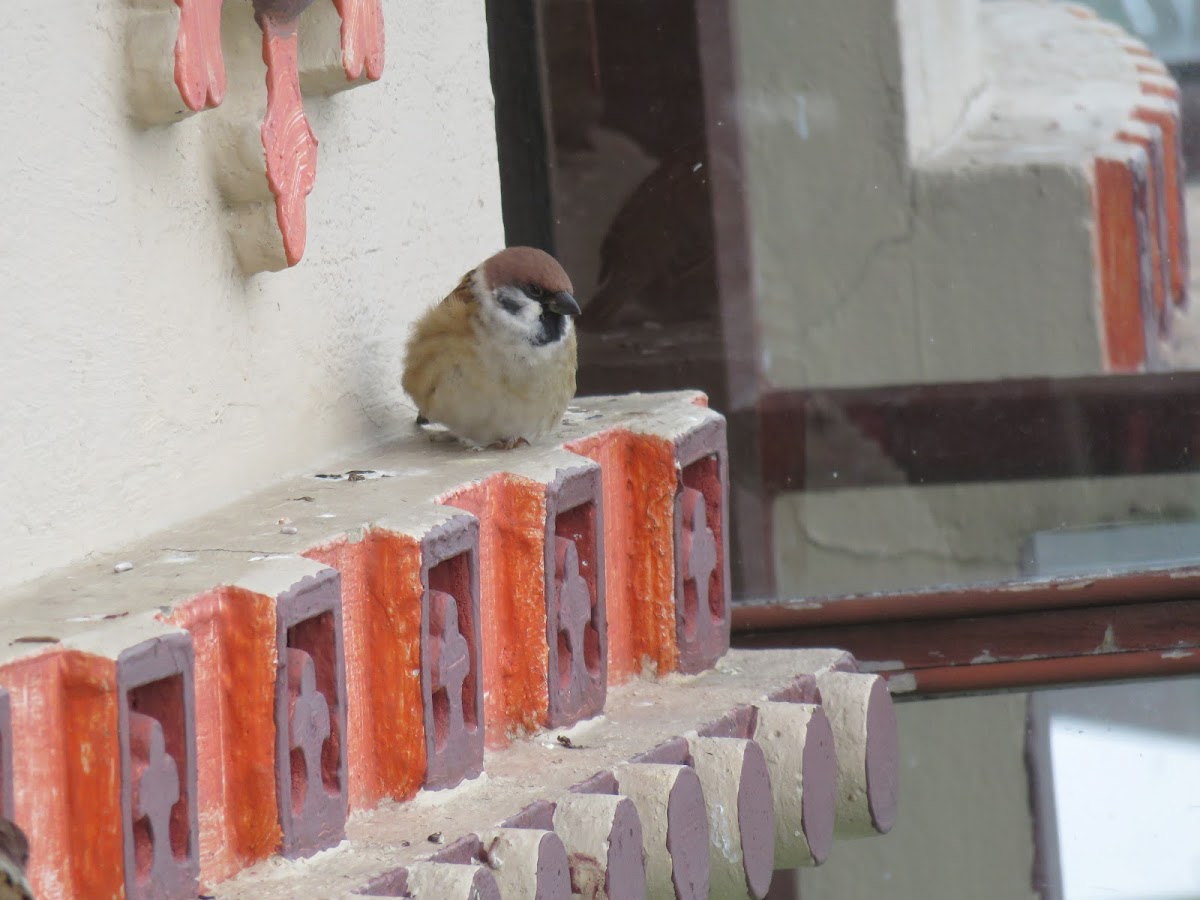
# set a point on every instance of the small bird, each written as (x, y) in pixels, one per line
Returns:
(495, 360)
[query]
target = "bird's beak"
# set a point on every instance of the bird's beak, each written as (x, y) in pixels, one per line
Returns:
(563, 304)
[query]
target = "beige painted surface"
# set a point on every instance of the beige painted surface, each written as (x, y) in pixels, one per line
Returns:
(964, 828)
(145, 380)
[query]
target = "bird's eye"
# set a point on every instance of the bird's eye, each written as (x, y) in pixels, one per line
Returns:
(534, 291)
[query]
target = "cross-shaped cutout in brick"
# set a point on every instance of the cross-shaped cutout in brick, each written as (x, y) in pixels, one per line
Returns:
(574, 616)
(699, 563)
(449, 667)
(155, 790)
(309, 726)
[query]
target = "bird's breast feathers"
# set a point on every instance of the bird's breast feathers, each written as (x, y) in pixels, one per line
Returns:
(487, 383)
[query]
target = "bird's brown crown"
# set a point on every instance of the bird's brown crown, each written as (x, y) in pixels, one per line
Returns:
(526, 265)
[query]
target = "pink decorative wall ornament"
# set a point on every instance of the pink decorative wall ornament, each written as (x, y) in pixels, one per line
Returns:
(177, 67)
(290, 145)
(199, 63)
(362, 38)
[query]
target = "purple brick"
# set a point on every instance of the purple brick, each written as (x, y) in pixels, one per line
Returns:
(7, 796)
(576, 621)
(702, 613)
(451, 661)
(310, 715)
(156, 719)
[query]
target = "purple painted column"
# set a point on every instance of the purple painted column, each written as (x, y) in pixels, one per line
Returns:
(702, 612)
(603, 837)
(670, 802)
(310, 715)
(451, 660)
(156, 720)
(14, 845)
(576, 622)
(7, 797)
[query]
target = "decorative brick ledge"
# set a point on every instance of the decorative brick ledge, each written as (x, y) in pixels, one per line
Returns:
(751, 735)
(263, 678)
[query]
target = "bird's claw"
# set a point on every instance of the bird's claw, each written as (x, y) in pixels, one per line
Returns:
(509, 444)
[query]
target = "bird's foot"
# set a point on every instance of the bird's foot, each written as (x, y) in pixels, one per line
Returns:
(421, 420)
(509, 444)
(441, 436)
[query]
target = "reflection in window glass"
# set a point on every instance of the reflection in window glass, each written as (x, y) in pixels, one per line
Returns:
(934, 267)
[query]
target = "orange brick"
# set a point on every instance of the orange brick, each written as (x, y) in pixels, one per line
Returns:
(381, 604)
(1119, 246)
(233, 634)
(67, 772)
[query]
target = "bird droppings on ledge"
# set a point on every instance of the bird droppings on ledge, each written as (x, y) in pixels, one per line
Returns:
(97, 617)
(351, 475)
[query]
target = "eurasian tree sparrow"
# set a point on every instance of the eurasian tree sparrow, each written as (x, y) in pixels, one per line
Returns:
(495, 360)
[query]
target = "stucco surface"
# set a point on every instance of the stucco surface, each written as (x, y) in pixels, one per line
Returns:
(145, 379)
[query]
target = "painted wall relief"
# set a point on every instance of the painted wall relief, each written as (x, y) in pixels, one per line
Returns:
(177, 67)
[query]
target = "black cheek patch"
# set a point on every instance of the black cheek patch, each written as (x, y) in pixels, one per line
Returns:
(554, 326)
(510, 304)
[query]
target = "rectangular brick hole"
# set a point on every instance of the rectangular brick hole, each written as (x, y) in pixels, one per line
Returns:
(318, 638)
(163, 701)
(453, 576)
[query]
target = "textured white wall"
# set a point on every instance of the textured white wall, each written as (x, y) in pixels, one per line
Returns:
(144, 379)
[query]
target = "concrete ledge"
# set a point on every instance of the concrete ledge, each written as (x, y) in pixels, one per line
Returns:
(650, 728)
(342, 630)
